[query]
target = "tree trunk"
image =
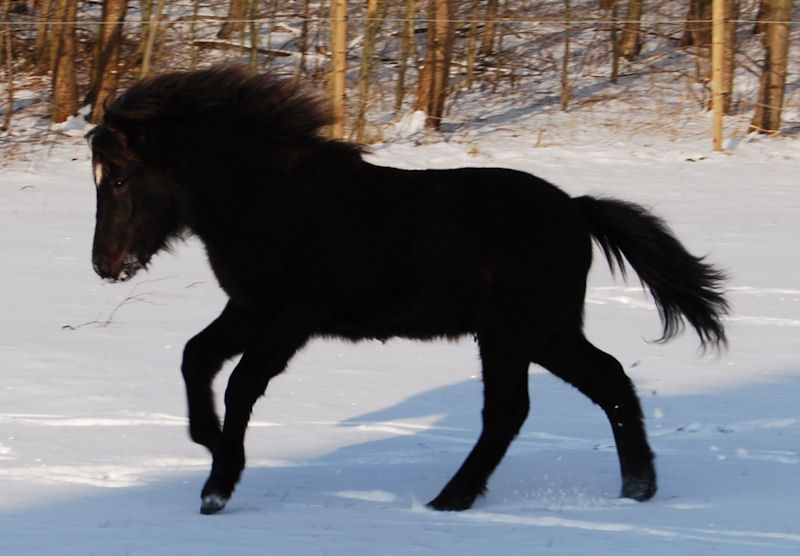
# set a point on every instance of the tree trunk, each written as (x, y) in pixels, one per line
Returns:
(698, 24)
(565, 62)
(405, 50)
(339, 65)
(193, 34)
(65, 86)
(767, 118)
(5, 46)
(434, 79)
(43, 34)
(252, 14)
(375, 15)
(761, 19)
(612, 7)
(472, 43)
(490, 28)
(5, 27)
(630, 43)
(154, 23)
(729, 53)
(235, 19)
(146, 8)
(302, 41)
(105, 66)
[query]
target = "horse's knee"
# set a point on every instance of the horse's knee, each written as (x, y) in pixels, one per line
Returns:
(204, 427)
(192, 357)
(204, 354)
(197, 370)
(202, 350)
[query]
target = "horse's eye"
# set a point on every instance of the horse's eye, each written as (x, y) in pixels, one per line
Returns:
(118, 185)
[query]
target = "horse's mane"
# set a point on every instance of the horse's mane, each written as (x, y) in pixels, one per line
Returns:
(217, 99)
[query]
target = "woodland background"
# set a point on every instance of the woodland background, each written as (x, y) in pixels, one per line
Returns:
(93, 436)
(381, 60)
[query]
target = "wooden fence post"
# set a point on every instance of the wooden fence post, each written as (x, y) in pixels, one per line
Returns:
(717, 52)
(339, 65)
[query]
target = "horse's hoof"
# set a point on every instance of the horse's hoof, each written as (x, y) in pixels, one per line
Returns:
(640, 489)
(447, 502)
(212, 503)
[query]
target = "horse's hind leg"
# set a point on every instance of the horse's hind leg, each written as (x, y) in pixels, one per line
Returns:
(505, 378)
(203, 357)
(598, 375)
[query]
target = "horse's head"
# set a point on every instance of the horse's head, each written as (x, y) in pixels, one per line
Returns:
(136, 209)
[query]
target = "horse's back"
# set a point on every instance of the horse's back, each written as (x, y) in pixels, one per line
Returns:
(493, 213)
(434, 252)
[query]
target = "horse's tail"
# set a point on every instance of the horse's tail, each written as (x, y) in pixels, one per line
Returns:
(682, 285)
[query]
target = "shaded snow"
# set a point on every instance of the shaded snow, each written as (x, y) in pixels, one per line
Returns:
(353, 440)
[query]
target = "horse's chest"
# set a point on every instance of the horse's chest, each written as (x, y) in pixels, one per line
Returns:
(248, 276)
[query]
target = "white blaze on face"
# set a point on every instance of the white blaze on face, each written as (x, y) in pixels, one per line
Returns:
(98, 173)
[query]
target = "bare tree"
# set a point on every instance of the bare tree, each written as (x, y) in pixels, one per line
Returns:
(105, 64)
(302, 40)
(435, 76)
(6, 55)
(698, 24)
(376, 10)
(252, 26)
(472, 42)
(697, 33)
(612, 7)
(408, 47)
(490, 28)
(565, 92)
(630, 43)
(767, 116)
(761, 19)
(235, 19)
(730, 15)
(40, 56)
(193, 33)
(64, 82)
(149, 33)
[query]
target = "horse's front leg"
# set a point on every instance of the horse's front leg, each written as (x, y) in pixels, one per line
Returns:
(266, 355)
(203, 357)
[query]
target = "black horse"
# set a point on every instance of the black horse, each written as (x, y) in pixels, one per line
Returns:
(308, 239)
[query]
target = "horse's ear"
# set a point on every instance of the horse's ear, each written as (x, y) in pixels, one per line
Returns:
(110, 142)
(91, 133)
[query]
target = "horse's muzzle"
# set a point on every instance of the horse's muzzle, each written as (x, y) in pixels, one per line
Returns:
(118, 270)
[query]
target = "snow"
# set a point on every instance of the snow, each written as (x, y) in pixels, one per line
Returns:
(353, 439)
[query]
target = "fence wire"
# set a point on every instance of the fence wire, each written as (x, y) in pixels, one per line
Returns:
(526, 54)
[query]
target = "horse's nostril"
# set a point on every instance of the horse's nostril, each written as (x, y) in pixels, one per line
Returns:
(105, 275)
(116, 268)
(103, 269)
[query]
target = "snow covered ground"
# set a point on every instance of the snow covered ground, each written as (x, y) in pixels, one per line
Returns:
(352, 441)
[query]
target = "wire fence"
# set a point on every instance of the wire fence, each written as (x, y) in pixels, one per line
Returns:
(424, 20)
(524, 66)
